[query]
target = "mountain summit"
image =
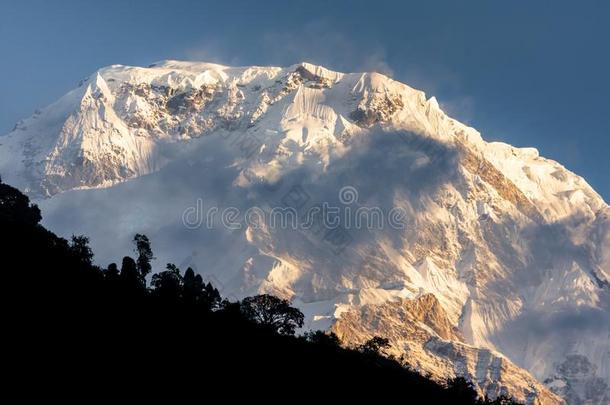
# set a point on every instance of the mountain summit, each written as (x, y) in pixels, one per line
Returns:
(499, 270)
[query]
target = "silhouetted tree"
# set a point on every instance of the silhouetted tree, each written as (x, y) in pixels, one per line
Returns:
(112, 273)
(501, 400)
(212, 298)
(196, 292)
(167, 284)
(323, 338)
(145, 254)
(79, 247)
(130, 276)
(273, 312)
(193, 286)
(375, 345)
(15, 207)
(462, 390)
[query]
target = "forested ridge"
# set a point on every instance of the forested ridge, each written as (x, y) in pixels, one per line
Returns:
(79, 330)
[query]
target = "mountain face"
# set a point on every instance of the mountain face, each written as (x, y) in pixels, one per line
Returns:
(498, 268)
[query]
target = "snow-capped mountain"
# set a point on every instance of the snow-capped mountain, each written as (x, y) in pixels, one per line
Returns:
(500, 271)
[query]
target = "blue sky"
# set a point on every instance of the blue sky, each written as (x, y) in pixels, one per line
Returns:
(528, 73)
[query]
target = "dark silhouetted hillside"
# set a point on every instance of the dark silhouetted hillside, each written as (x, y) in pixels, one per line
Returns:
(79, 331)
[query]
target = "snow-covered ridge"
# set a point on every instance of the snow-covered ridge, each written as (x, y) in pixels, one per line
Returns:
(514, 248)
(113, 126)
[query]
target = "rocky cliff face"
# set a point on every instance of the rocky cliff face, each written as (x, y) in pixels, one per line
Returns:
(422, 336)
(499, 271)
